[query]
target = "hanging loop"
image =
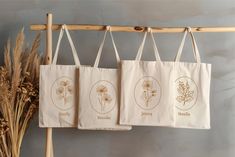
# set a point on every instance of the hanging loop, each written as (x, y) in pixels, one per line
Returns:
(140, 50)
(97, 60)
(108, 28)
(194, 45)
(74, 52)
(149, 29)
(63, 27)
(189, 29)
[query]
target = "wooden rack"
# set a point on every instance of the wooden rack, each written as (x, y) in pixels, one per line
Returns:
(133, 28)
(49, 27)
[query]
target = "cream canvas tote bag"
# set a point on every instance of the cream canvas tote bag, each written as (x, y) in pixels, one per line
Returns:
(99, 95)
(57, 105)
(192, 90)
(146, 90)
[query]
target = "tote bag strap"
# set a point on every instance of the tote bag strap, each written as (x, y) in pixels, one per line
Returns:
(97, 60)
(74, 52)
(140, 50)
(194, 45)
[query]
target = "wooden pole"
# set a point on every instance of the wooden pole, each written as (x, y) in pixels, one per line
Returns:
(134, 28)
(47, 60)
(48, 55)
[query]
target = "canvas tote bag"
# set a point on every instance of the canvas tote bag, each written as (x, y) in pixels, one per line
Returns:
(192, 90)
(99, 95)
(146, 89)
(57, 105)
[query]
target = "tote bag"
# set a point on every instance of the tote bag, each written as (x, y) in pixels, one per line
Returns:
(146, 90)
(99, 95)
(192, 90)
(57, 105)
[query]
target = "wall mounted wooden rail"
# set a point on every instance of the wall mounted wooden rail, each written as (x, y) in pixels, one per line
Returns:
(38, 27)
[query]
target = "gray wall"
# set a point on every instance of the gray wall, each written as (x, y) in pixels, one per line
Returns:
(215, 48)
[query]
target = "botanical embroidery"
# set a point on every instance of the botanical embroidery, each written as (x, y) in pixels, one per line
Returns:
(148, 91)
(62, 97)
(62, 93)
(103, 96)
(64, 90)
(185, 92)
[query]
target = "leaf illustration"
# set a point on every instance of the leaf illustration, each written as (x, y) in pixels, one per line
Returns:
(185, 94)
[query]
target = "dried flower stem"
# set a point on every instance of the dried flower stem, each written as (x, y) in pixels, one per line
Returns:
(19, 80)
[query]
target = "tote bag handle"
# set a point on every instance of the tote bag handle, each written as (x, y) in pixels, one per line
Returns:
(194, 45)
(74, 52)
(97, 60)
(140, 50)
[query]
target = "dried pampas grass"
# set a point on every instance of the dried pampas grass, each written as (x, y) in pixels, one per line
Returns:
(19, 95)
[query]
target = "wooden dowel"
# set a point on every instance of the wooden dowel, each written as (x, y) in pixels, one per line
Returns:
(48, 54)
(133, 28)
(47, 60)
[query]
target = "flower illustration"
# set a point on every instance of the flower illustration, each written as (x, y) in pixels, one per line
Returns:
(64, 83)
(147, 84)
(101, 89)
(70, 89)
(107, 98)
(59, 90)
(154, 92)
(103, 96)
(148, 91)
(64, 91)
(185, 94)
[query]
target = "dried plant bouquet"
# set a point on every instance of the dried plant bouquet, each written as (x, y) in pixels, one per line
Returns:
(19, 95)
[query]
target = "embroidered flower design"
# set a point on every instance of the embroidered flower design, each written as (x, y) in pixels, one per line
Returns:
(185, 93)
(103, 96)
(64, 90)
(59, 90)
(107, 98)
(147, 84)
(101, 89)
(148, 91)
(64, 83)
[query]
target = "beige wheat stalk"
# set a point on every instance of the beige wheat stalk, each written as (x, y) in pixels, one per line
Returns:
(19, 80)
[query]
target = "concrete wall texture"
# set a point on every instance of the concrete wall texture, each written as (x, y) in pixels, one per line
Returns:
(216, 48)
